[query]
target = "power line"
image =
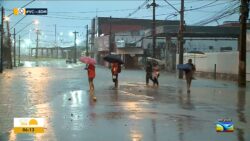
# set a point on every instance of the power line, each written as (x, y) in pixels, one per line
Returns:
(65, 18)
(17, 22)
(24, 16)
(103, 11)
(139, 8)
(172, 6)
(65, 26)
(23, 7)
(86, 12)
(228, 11)
(203, 6)
(24, 28)
(208, 5)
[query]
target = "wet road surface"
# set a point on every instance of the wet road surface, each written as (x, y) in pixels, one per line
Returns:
(133, 112)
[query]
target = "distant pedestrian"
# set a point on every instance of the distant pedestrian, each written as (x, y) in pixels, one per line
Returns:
(115, 70)
(149, 71)
(91, 76)
(189, 74)
(156, 74)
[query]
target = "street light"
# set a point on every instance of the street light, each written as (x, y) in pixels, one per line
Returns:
(7, 19)
(78, 42)
(71, 34)
(36, 22)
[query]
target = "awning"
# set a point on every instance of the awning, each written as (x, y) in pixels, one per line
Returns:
(129, 50)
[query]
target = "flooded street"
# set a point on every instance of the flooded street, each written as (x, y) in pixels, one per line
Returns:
(59, 93)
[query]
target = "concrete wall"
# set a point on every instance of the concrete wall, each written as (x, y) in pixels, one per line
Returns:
(226, 62)
(204, 44)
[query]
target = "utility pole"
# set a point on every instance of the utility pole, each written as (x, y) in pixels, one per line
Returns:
(57, 49)
(19, 51)
(37, 39)
(8, 54)
(2, 34)
(242, 45)
(110, 35)
(75, 47)
(87, 42)
(153, 28)
(14, 48)
(180, 38)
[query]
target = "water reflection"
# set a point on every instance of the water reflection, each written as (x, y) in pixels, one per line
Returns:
(241, 105)
(38, 85)
(154, 129)
(76, 98)
(240, 110)
(185, 100)
(180, 129)
(37, 97)
(135, 135)
(185, 103)
(115, 96)
(12, 136)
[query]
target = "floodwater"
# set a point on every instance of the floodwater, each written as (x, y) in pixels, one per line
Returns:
(59, 93)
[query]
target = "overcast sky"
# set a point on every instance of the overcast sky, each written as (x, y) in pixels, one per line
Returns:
(71, 15)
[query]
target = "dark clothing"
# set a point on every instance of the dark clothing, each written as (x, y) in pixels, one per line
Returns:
(115, 79)
(193, 68)
(115, 70)
(149, 71)
(149, 76)
(189, 75)
(155, 80)
(149, 68)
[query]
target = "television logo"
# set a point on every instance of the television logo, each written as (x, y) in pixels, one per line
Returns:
(17, 11)
(29, 125)
(224, 125)
(30, 11)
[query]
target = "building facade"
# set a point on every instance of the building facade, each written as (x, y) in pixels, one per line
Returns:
(121, 36)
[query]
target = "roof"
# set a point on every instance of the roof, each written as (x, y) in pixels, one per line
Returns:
(197, 31)
(130, 21)
(128, 24)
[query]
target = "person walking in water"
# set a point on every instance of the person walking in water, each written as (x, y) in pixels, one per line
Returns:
(149, 71)
(156, 74)
(115, 70)
(91, 76)
(189, 74)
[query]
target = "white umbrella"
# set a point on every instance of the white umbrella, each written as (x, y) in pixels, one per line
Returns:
(160, 62)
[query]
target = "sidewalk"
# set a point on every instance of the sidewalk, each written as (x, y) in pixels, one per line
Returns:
(132, 112)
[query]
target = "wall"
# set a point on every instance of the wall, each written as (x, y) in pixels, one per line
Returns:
(204, 44)
(226, 62)
(101, 43)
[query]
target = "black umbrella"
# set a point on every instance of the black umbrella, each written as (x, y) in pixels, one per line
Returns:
(113, 59)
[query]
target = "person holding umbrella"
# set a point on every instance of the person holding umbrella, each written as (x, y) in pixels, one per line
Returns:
(156, 74)
(149, 71)
(116, 62)
(91, 75)
(115, 70)
(189, 74)
(90, 67)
